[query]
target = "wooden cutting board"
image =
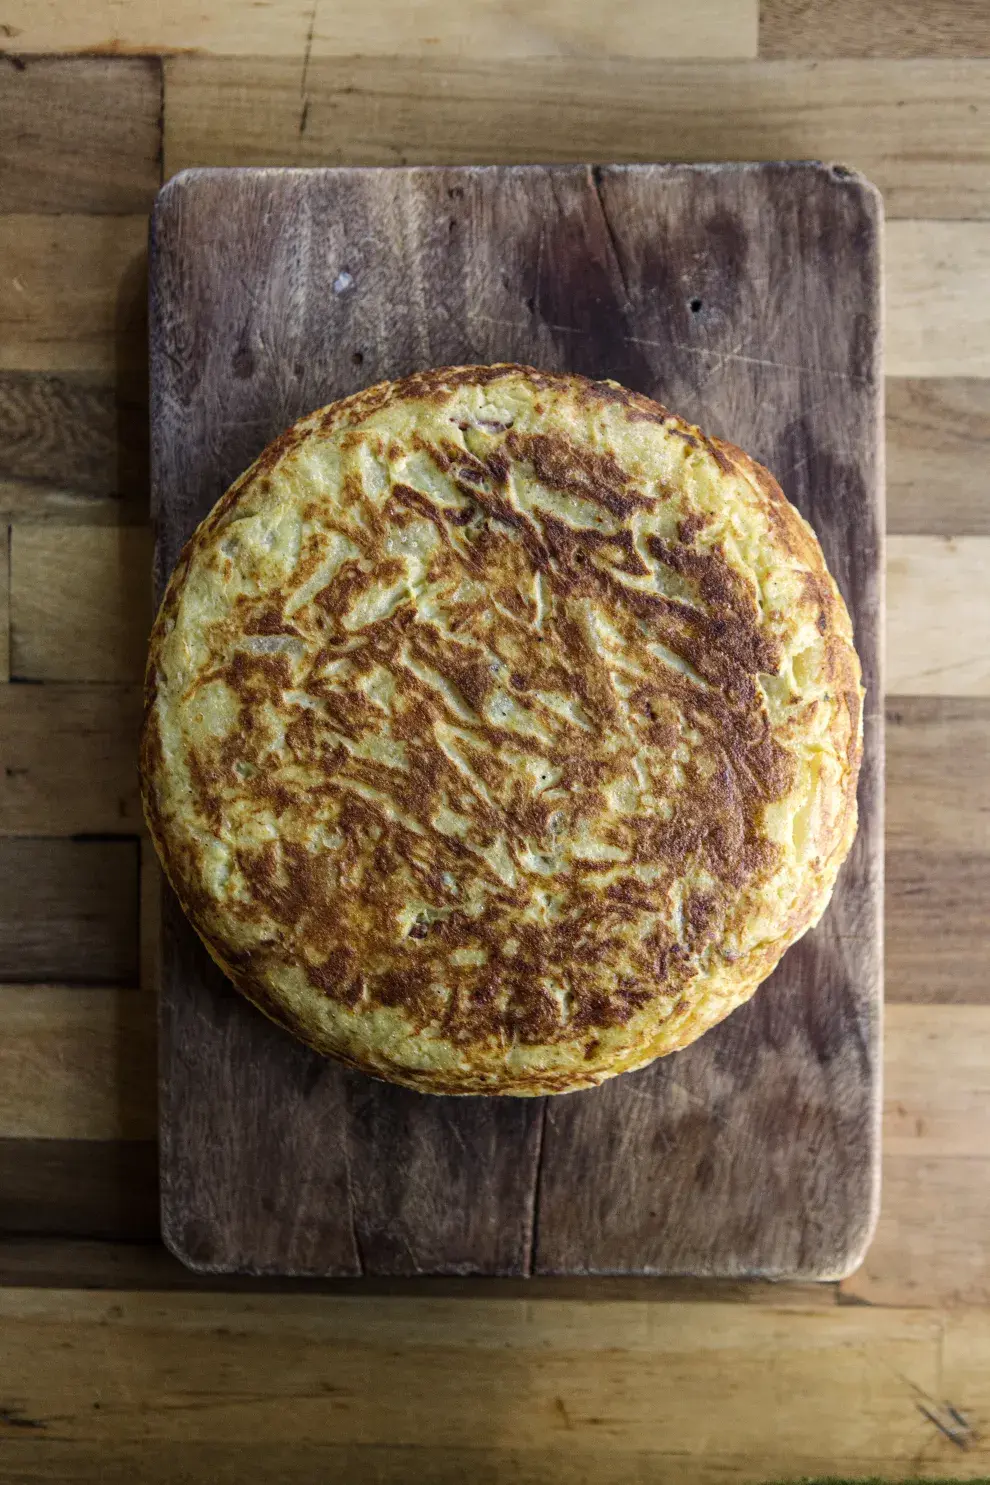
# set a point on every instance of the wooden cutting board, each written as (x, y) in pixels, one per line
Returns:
(744, 297)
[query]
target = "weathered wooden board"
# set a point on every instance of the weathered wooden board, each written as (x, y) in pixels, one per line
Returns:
(68, 910)
(746, 297)
(884, 28)
(80, 133)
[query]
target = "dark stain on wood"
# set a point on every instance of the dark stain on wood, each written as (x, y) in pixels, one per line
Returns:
(745, 297)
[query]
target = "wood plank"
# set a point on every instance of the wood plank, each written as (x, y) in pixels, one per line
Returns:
(435, 1378)
(298, 29)
(938, 450)
(4, 603)
(458, 1193)
(938, 849)
(76, 1064)
(73, 293)
(80, 134)
(937, 927)
(937, 1084)
(276, 27)
(73, 448)
(473, 110)
(67, 757)
(938, 299)
(80, 602)
(882, 28)
(938, 775)
(68, 911)
(938, 616)
(79, 1188)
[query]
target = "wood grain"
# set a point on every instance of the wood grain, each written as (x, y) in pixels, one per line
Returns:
(499, 28)
(938, 614)
(938, 299)
(937, 1083)
(919, 128)
(938, 451)
(938, 776)
(300, 29)
(68, 760)
(4, 603)
(72, 293)
(80, 1188)
(377, 111)
(498, 1386)
(930, 1244)
(80, 134)
(73, 448)
(937, 927)
(278, 27)
(68, 911)
(458, 1194)
(882, 28)
(76, 1064)
(80, 602)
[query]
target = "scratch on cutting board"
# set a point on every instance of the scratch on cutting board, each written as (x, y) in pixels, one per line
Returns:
(723, 356)
(521, 324)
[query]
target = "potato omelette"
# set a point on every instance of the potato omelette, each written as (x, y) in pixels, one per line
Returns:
(502, 730)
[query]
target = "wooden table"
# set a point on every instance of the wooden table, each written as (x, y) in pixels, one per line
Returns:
(115, 1364)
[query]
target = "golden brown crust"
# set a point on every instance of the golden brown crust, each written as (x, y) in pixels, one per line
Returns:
(501, 731)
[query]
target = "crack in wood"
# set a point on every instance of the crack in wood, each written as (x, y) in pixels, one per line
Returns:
(303, 94)
(595, 181)
(534, 1221)
(15, 1418)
